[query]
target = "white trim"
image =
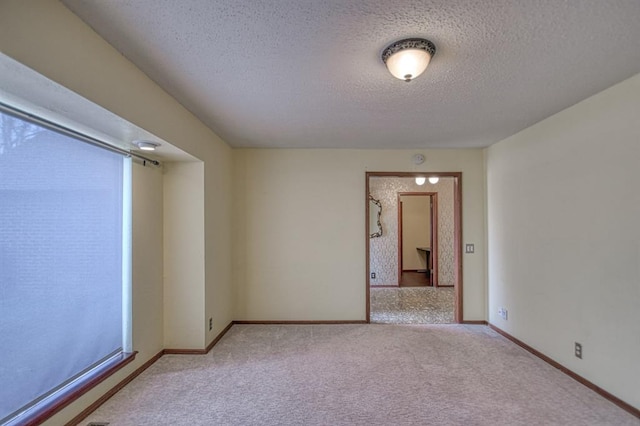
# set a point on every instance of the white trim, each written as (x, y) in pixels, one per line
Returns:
(127, 230)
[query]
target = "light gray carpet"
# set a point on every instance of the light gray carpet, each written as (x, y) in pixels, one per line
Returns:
(412, 305)
(358, 375)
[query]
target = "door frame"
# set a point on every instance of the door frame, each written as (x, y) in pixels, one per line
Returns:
(433, 214)
(457, 234)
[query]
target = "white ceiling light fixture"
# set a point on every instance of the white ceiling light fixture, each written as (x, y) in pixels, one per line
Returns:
(420, 180)
(147, 145)
(407, 59)
(434, 180)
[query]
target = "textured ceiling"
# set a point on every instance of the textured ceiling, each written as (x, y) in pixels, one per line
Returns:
(308, 73)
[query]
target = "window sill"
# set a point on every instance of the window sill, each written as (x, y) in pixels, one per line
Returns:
(47, 408)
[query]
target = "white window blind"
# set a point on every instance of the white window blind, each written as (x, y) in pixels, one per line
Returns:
(63, 220)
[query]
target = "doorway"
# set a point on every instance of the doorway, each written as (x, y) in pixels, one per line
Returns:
(417, 239)
(379, 279)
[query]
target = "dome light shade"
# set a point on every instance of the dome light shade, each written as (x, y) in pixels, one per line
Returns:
(407, 59)
(147, 145)
(420, 180)
(434, 180)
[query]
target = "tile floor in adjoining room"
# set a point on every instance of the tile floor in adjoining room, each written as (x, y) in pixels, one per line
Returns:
(412, 305)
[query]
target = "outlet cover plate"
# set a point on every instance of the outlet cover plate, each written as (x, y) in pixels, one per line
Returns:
(503, 313)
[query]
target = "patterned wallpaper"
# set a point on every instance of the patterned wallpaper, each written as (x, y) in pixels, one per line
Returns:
(383, 251)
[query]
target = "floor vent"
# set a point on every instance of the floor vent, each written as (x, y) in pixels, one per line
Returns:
(98, 424)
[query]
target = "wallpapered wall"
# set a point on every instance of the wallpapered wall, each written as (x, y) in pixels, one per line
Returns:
(383, 251)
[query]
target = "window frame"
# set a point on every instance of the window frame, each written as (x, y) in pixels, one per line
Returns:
(55, 402)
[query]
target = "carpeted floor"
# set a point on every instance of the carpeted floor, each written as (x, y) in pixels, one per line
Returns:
(358, 375)
(412, 305)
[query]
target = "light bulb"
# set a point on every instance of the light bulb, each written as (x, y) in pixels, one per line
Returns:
(420, 180)
(408, 64)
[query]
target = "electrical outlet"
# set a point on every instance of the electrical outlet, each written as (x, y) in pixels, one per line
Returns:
(503, 313)
(210, 324)
(577, 350)
(373, 275)
(469, 248)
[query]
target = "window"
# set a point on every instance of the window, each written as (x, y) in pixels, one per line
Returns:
(64, 265)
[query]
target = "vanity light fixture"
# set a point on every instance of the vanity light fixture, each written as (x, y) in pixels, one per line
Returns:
(147, 145)
(407, 59)
(434, 180)
(420, 180)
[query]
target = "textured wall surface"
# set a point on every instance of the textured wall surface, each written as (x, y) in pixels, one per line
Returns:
(383, 251)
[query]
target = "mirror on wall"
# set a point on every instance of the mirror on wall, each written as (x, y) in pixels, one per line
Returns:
(375, 212)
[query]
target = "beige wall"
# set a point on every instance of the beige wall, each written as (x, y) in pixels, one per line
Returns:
(563, 209)
(416, 231)
(299, 238)
(184, 255)
(147, 262)
(48, 38)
